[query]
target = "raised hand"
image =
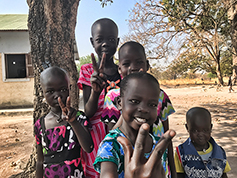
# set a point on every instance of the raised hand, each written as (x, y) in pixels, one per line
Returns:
(98, 78)
(135, 164)
(68, 113)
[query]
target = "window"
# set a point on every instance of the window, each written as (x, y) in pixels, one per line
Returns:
(18, 66)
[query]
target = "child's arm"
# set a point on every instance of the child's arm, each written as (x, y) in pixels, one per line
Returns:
(170, 151)
(108, 170)
(83, 135)
(40, 161)
(98, 82)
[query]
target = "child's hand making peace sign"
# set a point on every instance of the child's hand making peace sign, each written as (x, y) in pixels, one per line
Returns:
(135, 164)
(98, 78)
(68, 113)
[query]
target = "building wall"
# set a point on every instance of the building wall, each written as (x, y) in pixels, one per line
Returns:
(15, 93)
(14, 42)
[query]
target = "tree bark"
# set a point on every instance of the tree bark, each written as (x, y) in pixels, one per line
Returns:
(232, 13)
(51, 25)
(218, 73)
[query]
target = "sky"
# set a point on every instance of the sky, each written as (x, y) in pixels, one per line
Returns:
(88, 12)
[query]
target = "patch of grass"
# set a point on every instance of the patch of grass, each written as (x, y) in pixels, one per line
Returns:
(197, 81)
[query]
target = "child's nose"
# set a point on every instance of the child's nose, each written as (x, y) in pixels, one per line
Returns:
(134, 68)
(143, 109)
(57, 94)
(105, 43)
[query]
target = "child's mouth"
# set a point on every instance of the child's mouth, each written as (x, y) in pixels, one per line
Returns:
(141, 120)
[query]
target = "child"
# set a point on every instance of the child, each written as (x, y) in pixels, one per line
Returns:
(132, 58)
(230, 85)
(199, 155)
(94, 84)
(60, 134)
(139, 101)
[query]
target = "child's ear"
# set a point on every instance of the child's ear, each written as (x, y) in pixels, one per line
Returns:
(92, 43)
(186, 125)
(148, 65)
(118, 39)
(119, 103)
(119, 69)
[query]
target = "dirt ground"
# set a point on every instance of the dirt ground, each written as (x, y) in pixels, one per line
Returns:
(17, 139)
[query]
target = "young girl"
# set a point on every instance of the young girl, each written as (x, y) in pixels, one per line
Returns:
(95, 80)
(199, 155)
(139, 101)
(62, 132)
(132, 58)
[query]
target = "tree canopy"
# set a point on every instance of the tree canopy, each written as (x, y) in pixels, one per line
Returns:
(183, 28)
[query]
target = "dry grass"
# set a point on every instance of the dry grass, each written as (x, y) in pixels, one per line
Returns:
(196, 81)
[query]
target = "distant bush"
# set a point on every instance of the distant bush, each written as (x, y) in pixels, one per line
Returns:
(83, 60)
(211, 75)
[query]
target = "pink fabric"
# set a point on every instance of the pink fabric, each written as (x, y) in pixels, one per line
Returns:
(98, 130)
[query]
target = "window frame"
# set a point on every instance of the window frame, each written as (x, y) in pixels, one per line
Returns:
(28, 65)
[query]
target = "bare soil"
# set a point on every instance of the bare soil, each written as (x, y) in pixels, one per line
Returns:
(16, 141)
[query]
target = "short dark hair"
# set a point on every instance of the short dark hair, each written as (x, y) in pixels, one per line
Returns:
(103, 20)
(195, 111)
(55, 71)
(137, 75)
(136, 46)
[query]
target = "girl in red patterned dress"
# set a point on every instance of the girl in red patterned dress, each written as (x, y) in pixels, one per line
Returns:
(61, 133)
(95, 80)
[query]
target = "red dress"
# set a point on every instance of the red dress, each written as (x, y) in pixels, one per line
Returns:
(98, 130)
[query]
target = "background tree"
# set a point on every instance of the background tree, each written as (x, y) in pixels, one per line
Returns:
(83, 60)
(199, 61)
(51, 27)
(232, 14)
(171, 25)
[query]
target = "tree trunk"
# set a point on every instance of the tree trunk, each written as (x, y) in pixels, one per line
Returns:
(232, 13)
(218, 71)
(51, 25)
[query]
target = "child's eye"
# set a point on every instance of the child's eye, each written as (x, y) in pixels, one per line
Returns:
(154, 105)
(126, 64)
(50, 92)
(133, 101)
(112, 40)
(140, 62)
(194, 131)
(64, 90)
(203, 131)
(98, 40)
(206, 130)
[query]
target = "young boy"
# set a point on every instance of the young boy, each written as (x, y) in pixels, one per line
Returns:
(139, 101)
(199, 155)
(95, 80)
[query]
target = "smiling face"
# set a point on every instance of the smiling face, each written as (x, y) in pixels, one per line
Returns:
(105, 38)
(139, 102)
(55, 85)
(132, 56)
(199, 127)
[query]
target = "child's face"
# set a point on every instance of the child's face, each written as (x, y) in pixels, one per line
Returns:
(54, 87)
(139, 103)
(105, 39)
(131, 59)
(199, 129)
